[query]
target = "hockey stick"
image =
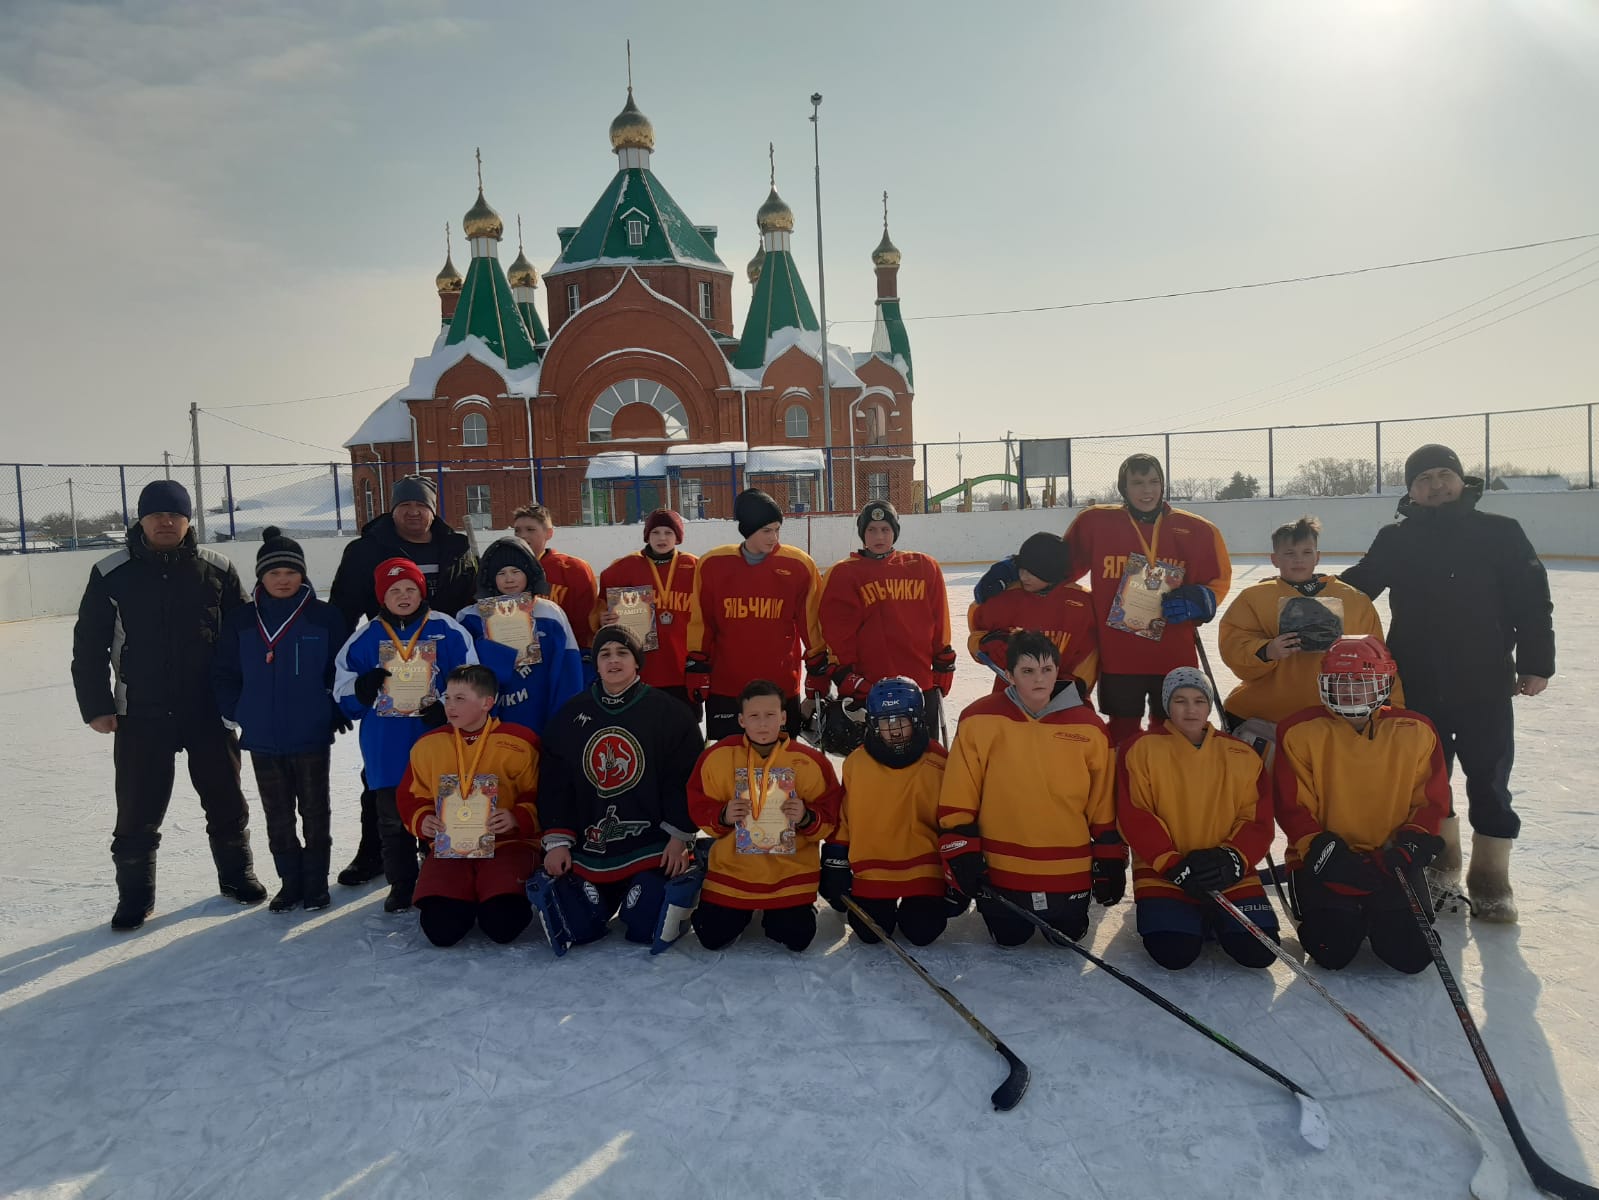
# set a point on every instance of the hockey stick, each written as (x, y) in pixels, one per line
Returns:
(1312, 1120)
(1492, 1180)
(1277, 882)
(1008, 1094)
(1544, 1176)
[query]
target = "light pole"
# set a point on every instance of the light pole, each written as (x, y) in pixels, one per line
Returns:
(853, 405)
(821, 295)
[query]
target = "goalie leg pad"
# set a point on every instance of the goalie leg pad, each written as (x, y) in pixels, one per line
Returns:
(641, 906)
(678, 901)
(570, 910)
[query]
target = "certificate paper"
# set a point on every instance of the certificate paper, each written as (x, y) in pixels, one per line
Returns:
(766, 830)
(410, 681)
(1136, 608)
(508, 620)
(466, 820)
(633, 608)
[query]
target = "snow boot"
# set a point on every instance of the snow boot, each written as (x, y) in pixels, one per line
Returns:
(399, 898)
(1488, 880)
(1443, 873)
(314, 879)
(291, 872)
(135, 892)
(367, 864)
(236, 870)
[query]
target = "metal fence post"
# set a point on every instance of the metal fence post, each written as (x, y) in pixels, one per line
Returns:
(638, 492)
(438, 475)
(538, 481)
(732, 476)
(1271, 463)
(122, 479)
(1487, 449)
(1590, 446)
(22, 520)
(1071, 477)
(1167, 438)
(1377, 425)
(338, 505)
(927, 484)
(227, 483)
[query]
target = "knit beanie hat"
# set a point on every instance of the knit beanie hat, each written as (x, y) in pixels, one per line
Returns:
(1046, 556)
(754, 509)
(1185, 677)
(876, 510)
(391, 570)
(510, 552)
(417, 489)
(664, 518)
(1142, 464)
(1430, 457)
(165, 496)
(615, 633)
(278, 551)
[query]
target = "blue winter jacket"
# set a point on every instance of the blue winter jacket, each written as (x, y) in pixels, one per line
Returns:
(530, 696)
(284, 706)
(386, 741)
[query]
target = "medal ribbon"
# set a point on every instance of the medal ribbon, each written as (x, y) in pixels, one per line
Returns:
(1150, 546)
(404, 651)
(751, 774)
(272, 639)
(661, 589)
(465, 776)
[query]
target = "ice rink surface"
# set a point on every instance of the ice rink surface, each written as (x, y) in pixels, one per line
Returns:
(229, 1052)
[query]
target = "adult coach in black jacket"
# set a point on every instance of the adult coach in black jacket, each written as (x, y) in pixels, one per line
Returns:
(1471, 627)
(150, 618)
(410, 529)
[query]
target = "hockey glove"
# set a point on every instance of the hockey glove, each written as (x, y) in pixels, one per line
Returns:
(433, 715)
(697, 678)
(1192, 602)
(369, 685)
(1206, 871)
(340, 723)
(851, 684)
(1109, 875)
(816, 674)
(995, 644)
(996, 579)
(962, 850)
(1411, 848)
(1335, 865)
(837, 878)
(944, 669)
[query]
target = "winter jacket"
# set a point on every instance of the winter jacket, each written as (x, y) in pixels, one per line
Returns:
(153, 618)
(1467, 591)
(448, 564)
(284, 706)
(885, 616)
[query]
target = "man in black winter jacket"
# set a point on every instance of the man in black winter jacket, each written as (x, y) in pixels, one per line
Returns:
(1472, 626)
(410, 529)
(149, 620)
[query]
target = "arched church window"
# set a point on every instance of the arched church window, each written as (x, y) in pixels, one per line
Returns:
(796, 422)
(674, 417)
(474, 430)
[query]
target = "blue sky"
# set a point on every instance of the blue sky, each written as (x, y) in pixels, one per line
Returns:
(244, 202)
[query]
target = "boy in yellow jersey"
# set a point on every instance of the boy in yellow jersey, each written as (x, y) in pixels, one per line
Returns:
(884, 855)
(1028, 806)
(1361, 791)
(768, 802)
(1194, 805)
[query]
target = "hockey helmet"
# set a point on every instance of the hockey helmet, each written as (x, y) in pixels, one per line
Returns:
(1317, 625)
(889, 699)
(896, 696)
(835, 728)
(1357, 675)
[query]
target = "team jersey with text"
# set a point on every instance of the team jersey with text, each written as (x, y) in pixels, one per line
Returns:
(751, 619)
(571, 583)
(1064, 614)
(508, 770)
(885, 616)
(673, 583)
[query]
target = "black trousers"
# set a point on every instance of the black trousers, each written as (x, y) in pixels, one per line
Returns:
(1332, 926)
(145, 752)
(1481, 732)
(681, 693)
(288, 782)
(933, 714)
(1066, 911)
(400, 863)
(920, 918)
(717, 925)
(1130, 695)
(721, 718)
(502, 919)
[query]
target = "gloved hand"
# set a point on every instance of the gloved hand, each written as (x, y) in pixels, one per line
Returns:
(1411, 848)
(697, 678)
(1204, 871)
(964, 866)
(1191, 602)
(1108, 880)
(1332, 862)
(837, 878)
(996, 579)
(433, 715)
(996, 644)
(944, 669)
(850, 684)
(340, 723)
(369, 684)
(817, 677)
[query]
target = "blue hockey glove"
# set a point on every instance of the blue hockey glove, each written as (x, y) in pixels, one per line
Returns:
(996, 579)
(1192, 602)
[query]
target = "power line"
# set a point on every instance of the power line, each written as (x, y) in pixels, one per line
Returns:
(264, 433)
(377, 387)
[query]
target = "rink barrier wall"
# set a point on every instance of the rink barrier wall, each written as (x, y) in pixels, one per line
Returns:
(1561, 525)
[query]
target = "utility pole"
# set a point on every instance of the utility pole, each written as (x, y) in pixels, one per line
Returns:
(166, 461)
(199, 491)
(72, 505)
(821, 295)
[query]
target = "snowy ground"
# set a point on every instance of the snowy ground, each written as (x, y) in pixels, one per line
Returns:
(229, 1052)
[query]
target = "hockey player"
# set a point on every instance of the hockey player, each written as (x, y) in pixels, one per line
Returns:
(888, 822)
(475, 752)
(1028, 591)
(1278, 670)
(570, 579)
(884, 612)
(1361, 792)
(669, 572)
(757, 863)
(534, 680)
(388, 677)
(750, 617)
(1029, 802)
(1132, 552)
(613, 801)
(1194, 806)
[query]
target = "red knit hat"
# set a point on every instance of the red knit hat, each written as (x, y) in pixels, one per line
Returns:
(664, 518)
(391, 570)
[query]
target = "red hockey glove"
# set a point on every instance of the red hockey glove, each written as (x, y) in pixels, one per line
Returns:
(697, 678)
(964, 866)
(944, 669)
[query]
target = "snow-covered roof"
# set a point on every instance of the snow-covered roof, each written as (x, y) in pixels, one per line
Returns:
(304, 506)
(1530, 483)
(391, 420)
(757, 460)
(840, 359)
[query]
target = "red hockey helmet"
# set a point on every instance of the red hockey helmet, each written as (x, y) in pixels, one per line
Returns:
(1357, 675)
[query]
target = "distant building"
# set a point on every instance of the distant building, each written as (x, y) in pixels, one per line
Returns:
(641, 359)
(1529, 483)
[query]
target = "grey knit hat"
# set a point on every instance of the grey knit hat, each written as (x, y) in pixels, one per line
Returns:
(1185, 677)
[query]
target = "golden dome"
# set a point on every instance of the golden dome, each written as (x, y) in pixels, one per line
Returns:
(774, 215)
(631, 130)
(481, 221)
(521, 272)
(886, 254)
(753, 270)
(448, 279)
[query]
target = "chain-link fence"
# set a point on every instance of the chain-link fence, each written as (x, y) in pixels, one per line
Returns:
(55, 507)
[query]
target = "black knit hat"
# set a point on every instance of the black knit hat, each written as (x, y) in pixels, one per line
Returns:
(615, 633)
(1045, 555)
(1429, 458)
(753, 509)
(417, 489)
(278, 551)
(510, 552)
(876, 510)
(1141, 463)
(165, 496)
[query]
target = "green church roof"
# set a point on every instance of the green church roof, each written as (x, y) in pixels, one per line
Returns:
(488, 310)
(890, 339)
(778, 302)
(534, 326)
(668, 236)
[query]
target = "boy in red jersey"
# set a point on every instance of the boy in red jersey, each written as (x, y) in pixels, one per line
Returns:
(570, 580)
(1144, 543)
(750, 617)
(1035, 598)
(669, 574)
(884, 612)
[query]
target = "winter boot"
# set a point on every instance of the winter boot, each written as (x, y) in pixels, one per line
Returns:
(135, 892)
(314, 879)
(291, 871)
(1443, 874)
(236, 870)
(367, 864)
(1488, 880)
